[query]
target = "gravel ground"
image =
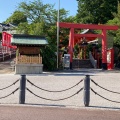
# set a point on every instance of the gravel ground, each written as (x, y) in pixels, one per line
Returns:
(56, 81)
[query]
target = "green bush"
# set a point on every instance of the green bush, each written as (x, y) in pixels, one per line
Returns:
(48, 58)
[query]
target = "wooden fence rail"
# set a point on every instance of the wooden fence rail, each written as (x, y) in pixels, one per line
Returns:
(28, 59)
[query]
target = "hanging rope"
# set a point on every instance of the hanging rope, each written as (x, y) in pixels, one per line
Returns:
(54, 99)
(9, 94)
(104, 88)
(10, 85)
(54, 91)
(104, 97)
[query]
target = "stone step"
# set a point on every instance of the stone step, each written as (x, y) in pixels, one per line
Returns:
(81, 63)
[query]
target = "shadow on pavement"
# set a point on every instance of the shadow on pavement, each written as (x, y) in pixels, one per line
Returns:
(46, 105)
(112, 108)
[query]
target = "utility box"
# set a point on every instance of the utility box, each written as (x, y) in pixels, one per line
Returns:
(66, 61)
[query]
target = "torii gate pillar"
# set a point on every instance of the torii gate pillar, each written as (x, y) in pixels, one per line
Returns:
(104, 50)
(71, 42)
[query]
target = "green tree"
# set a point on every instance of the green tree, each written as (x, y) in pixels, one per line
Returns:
(115, 21)
(23, 28)
(96, 11)
(42, 21)
(116, 35)
(16, 18)
(36, 11)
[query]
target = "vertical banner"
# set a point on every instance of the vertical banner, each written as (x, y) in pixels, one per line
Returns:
(6, 40)
(110, 58)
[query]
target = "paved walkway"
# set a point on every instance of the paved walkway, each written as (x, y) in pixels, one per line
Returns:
(55, 113)
(6, 68)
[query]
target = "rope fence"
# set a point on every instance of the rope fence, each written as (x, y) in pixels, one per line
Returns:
(103, 87)
(55, 99)
(1, 89)
(54, 91)
(9, 85)
(104, 97)
(22, 90)
(86, 90)
(105, 90)
(9, 94)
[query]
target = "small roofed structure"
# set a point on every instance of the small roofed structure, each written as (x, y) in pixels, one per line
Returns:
(28, 58)
(80, 39)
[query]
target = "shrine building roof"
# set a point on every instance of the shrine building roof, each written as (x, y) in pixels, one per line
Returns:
(32, 40)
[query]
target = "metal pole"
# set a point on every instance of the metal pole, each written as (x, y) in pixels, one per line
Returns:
(87, 90)
(22, 89)
(58, 29)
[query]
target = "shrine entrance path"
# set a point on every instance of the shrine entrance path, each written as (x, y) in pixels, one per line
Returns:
(5, 67)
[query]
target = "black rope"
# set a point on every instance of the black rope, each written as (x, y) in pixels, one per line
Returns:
(54, 91)
(10, 85)
(9, 94)
(55, 99)
(104, 88)
(104, 97)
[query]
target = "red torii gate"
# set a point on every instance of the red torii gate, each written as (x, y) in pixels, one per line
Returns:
(72, 36)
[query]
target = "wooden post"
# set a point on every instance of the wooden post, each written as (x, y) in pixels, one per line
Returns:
(39, 58)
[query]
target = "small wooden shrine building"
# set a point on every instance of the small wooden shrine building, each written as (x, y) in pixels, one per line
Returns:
(28, 58)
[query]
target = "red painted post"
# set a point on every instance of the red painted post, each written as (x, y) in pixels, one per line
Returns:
(104, 50)
(71, 39)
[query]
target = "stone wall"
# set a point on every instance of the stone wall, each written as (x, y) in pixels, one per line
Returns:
(28, 68)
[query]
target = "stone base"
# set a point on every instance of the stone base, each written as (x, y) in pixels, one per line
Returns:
(28, 68)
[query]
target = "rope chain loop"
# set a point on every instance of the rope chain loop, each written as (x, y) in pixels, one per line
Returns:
(55, 99)
(55, 91)
(104, 97)
(9, 94)
(103, 87)
(10, 85)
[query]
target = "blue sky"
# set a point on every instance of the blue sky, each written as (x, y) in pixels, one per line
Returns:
(7, 7)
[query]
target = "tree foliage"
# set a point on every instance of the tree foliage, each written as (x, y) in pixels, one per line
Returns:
(96, 11)
(115, 21)
(17, 17)
(36, 11)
